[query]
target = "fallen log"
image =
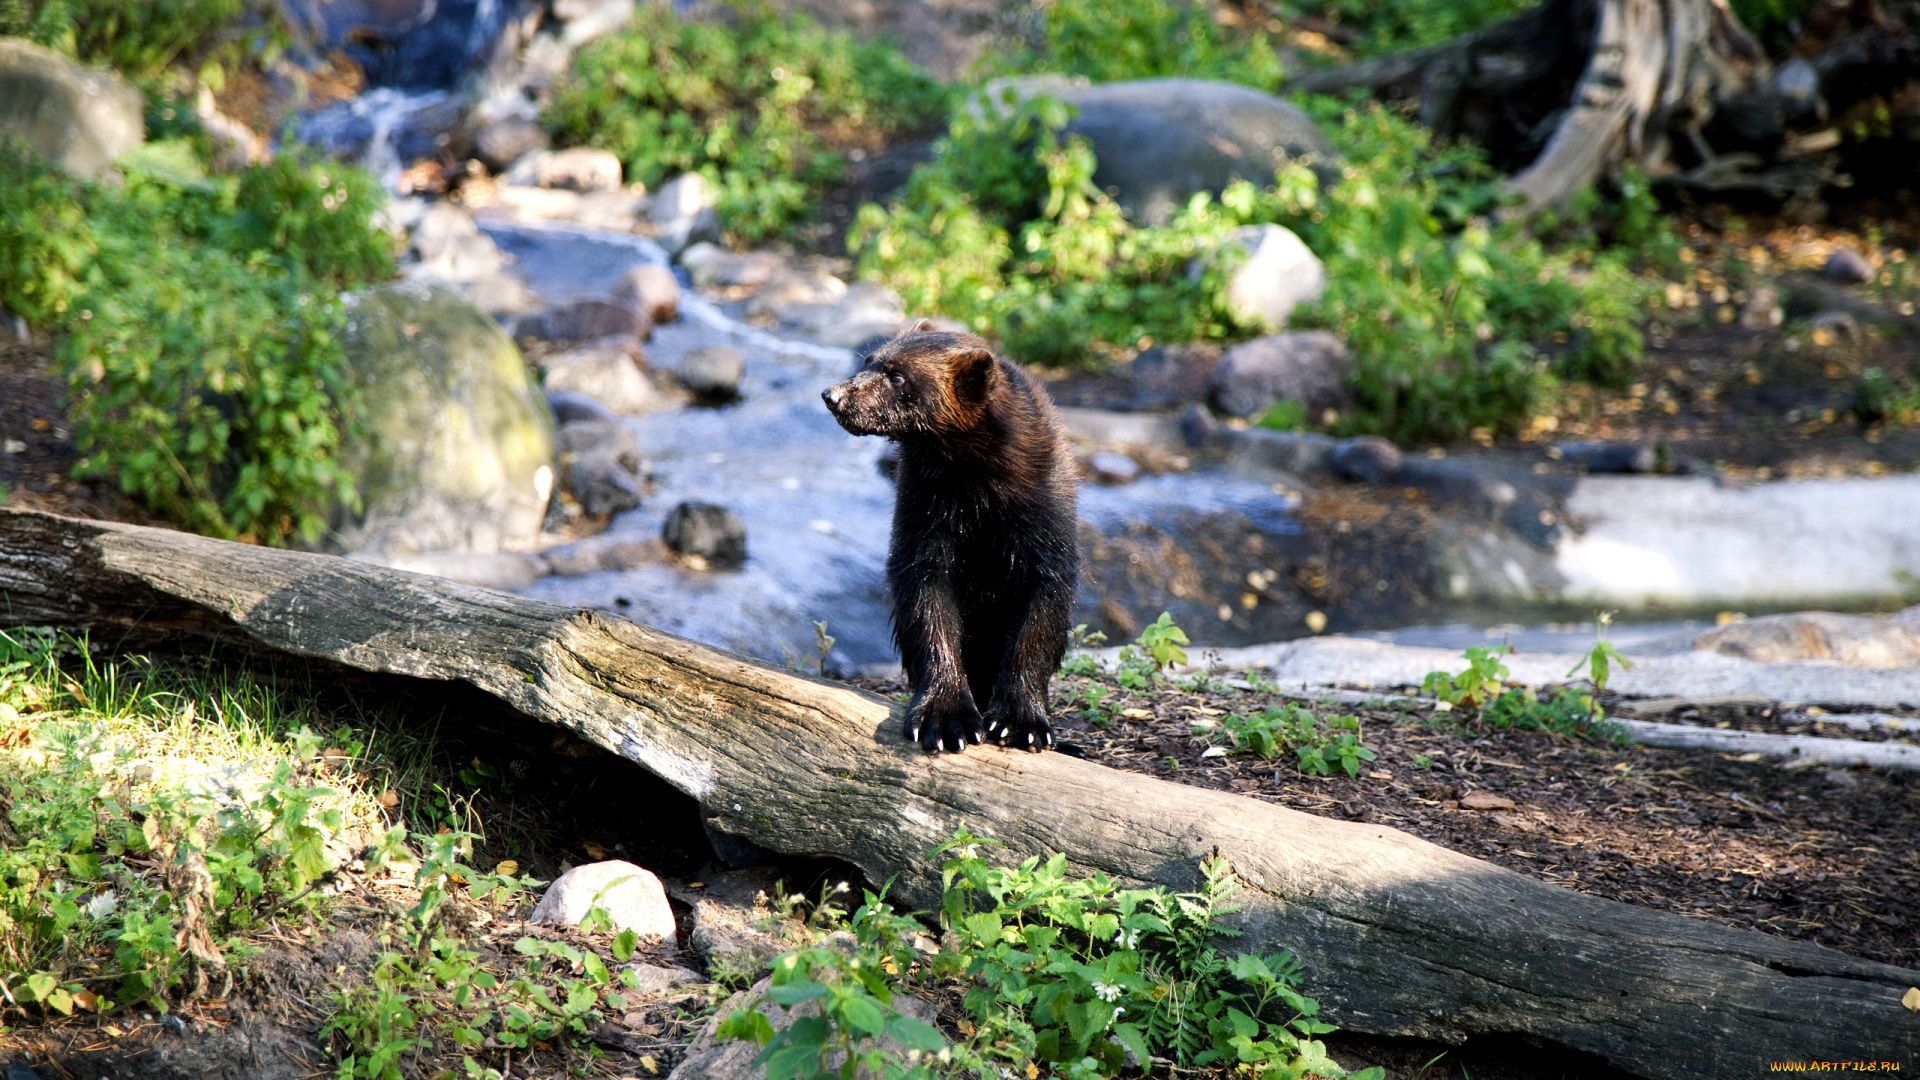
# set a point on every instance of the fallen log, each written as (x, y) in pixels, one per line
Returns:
(1396, 935)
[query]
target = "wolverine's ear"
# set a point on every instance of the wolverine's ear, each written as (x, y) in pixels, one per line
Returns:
(924, 326)
(973, 375)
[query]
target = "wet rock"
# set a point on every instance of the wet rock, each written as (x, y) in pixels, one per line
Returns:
(455, 451)
(605, 472)
(1198, 427)
(585, 320)
(1762, 310)
(632, 898)
(1112, 469)
(1848, 267)
(793, 287)
(79, 120)
(1160, 140)
(414, 44)
(580, 168)
(708, 1058)
(1853, 640)
(611, 373)
(651, 290)
(1308, 366)
(710, 265)
(568, 407)
(1277, 275)
(1609, 457)
(1369, 459)
(501, 142)
(683, 212)
(706, 531)
(713, 372)
(452, 248)
(868, 310)
(605, 554)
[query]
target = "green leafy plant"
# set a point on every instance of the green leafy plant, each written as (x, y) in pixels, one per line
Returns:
(1321, 746)
(765, 105)
(1064, 976)
(142, 40)
(1107, 40)
(200, 326)
(1475, 685)
(1482, 687)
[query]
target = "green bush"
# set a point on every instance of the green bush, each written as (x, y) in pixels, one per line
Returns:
(1106, 40)
(141, 40)
(764, 105)
(1412, 24)
(200, 320)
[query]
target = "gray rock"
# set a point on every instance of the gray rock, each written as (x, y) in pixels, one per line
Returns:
(1161, 140)
(633, 899)
(789, 288)
(1762, 310)
(651, 290)
(1838, 323)
(584, 320)
(501, 142)
(455, 452)
(1198, 427)
(656, 979)
(1308, 366)
(79, 120)
(1277, 274)
(1113, 469)
(683, 212)
(735, 929)
(706, 531)
(603, 554)
(1369, 459)
(452, 248)
(1608, 457)
(610, 373)
(713, 372)
(710, 1059)
(568, 407)
(1847, 266)
(710, 264)
(579, 168)
(612, 436)
(1908, 618)
(584, 20)
(605, 471)
(867, 311)
(1853, 640)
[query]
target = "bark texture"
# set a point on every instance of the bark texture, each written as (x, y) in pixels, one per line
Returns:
(1397, 935)
(1565, 93)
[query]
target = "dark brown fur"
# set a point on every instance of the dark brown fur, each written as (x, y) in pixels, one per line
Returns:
(983, 561)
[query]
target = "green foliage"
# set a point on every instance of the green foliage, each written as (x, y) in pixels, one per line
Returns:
(1879, 399)
(1077, 661)
(1412, 24)
(1474, 686)
(1456, 323)
(119, 882)
(1566, 710)
(1108, 40)
(1157, 648)
(141, 40)
(201, 327)
(763, 104)
(1063, 976)
(1320, 746)
(1770, 20)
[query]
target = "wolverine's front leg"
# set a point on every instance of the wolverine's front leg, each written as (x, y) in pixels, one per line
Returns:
(943, 715)
(1018, 715)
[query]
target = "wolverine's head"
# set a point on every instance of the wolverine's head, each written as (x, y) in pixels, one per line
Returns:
(923, 382)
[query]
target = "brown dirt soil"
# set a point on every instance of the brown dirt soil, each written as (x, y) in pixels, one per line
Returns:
(36, 444)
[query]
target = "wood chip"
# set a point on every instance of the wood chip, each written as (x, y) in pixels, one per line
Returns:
(1485, 800)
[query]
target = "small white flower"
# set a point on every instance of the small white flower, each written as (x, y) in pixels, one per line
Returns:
(1106, 992)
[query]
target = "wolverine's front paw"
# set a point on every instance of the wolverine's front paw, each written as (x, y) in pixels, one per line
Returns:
(944, 723)
(1020, 723)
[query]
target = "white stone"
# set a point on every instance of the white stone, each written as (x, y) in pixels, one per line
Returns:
(451, 247)
(1107, 467)
(579, 168)
(1278, 275)
(682, 210)
(632, 897)
(608, 375)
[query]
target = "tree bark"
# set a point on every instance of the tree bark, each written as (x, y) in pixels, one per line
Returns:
(1396, 935)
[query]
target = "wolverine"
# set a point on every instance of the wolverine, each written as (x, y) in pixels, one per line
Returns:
(983, 562)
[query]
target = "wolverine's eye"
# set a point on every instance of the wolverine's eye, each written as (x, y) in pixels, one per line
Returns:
(896, 378)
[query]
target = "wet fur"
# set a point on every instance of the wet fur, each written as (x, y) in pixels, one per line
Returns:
(983, 561)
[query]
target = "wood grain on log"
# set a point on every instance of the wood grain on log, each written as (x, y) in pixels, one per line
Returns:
(1396, 935)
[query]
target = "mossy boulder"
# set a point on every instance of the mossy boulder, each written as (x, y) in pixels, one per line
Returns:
(456, 448)
(79, 120)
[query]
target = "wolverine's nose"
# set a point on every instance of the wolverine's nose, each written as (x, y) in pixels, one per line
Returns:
(834, 396)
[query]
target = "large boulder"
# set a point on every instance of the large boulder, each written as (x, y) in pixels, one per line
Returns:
(1308, 366)
(79, 120)
(1161, 140)
(1853, 640)
(456, 448)
(1276, 275)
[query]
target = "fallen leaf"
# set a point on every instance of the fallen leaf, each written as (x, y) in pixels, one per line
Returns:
(1485, 800)
(648, 1063)
(112, 1030)
(389, 798)
(1033, 1071)
(1912, 999)
(506, 868)
(593, 849)
(1442, 706)
(1214, 751)
(86, 999)
(1137, 714)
